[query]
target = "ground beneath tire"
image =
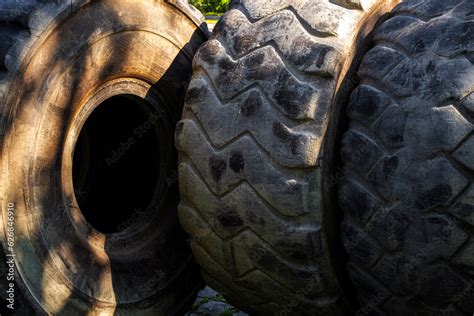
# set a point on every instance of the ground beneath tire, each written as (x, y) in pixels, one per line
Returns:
(211, 303)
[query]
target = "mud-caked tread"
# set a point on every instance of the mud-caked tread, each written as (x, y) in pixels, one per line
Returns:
(256, 116)
(407, 193)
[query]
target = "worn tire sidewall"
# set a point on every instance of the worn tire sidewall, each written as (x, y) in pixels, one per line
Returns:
(101, 42)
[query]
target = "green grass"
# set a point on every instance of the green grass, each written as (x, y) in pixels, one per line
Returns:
(211, 6)
(228, 312)
(219, 298)
(214, 13)
(206, 299)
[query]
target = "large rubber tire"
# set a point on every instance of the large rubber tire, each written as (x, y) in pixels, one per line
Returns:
(408, 157)
(256, 151)
(59, 61)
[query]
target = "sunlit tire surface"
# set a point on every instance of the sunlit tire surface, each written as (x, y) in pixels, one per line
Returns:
(408, 194)
(256, 151)
(90, 96)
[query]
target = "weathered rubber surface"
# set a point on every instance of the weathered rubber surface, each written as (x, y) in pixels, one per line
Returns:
(24, 26)
(13, 31)
(256, 115)
(408, 156)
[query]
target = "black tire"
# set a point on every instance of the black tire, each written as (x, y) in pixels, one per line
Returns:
(253, 165)
(90, 94)
(408, 191)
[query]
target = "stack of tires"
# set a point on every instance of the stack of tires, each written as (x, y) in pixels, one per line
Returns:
(324, 156)
(298, 105)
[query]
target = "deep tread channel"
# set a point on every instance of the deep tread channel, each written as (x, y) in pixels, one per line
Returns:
(254, 123)
(408, 191)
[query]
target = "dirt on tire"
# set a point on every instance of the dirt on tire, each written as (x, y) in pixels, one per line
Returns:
(256, 143)
(59, 61)
(408, 191)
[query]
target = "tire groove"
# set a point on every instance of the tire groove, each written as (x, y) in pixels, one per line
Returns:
(420, 219)
(236, 139)
(302, 23)
(243, 230)
(299, 76)
(223, 100)
(274, 211)
(243, 276)
(285, 157)
(203, 73)
(292, 9)
(224, 67)
(298, 187)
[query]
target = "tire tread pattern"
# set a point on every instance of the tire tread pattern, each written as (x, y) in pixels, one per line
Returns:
(255, 114)
(408, 193)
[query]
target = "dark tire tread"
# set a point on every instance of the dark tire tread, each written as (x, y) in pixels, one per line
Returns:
(255, 117)
(407, 193)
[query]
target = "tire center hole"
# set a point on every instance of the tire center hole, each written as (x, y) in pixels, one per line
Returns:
(116, 164)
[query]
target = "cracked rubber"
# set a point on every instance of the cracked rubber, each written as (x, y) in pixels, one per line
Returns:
(54, 55)
(408, 155)
(252, 164)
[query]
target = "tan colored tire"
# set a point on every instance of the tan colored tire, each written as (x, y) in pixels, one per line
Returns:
(90, 94)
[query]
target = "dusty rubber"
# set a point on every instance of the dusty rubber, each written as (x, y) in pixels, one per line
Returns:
(408, 191)
(259, 112)
(56, 59)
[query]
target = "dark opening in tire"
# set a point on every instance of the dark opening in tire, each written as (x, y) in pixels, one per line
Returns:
(116, 162)
(99, 87)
